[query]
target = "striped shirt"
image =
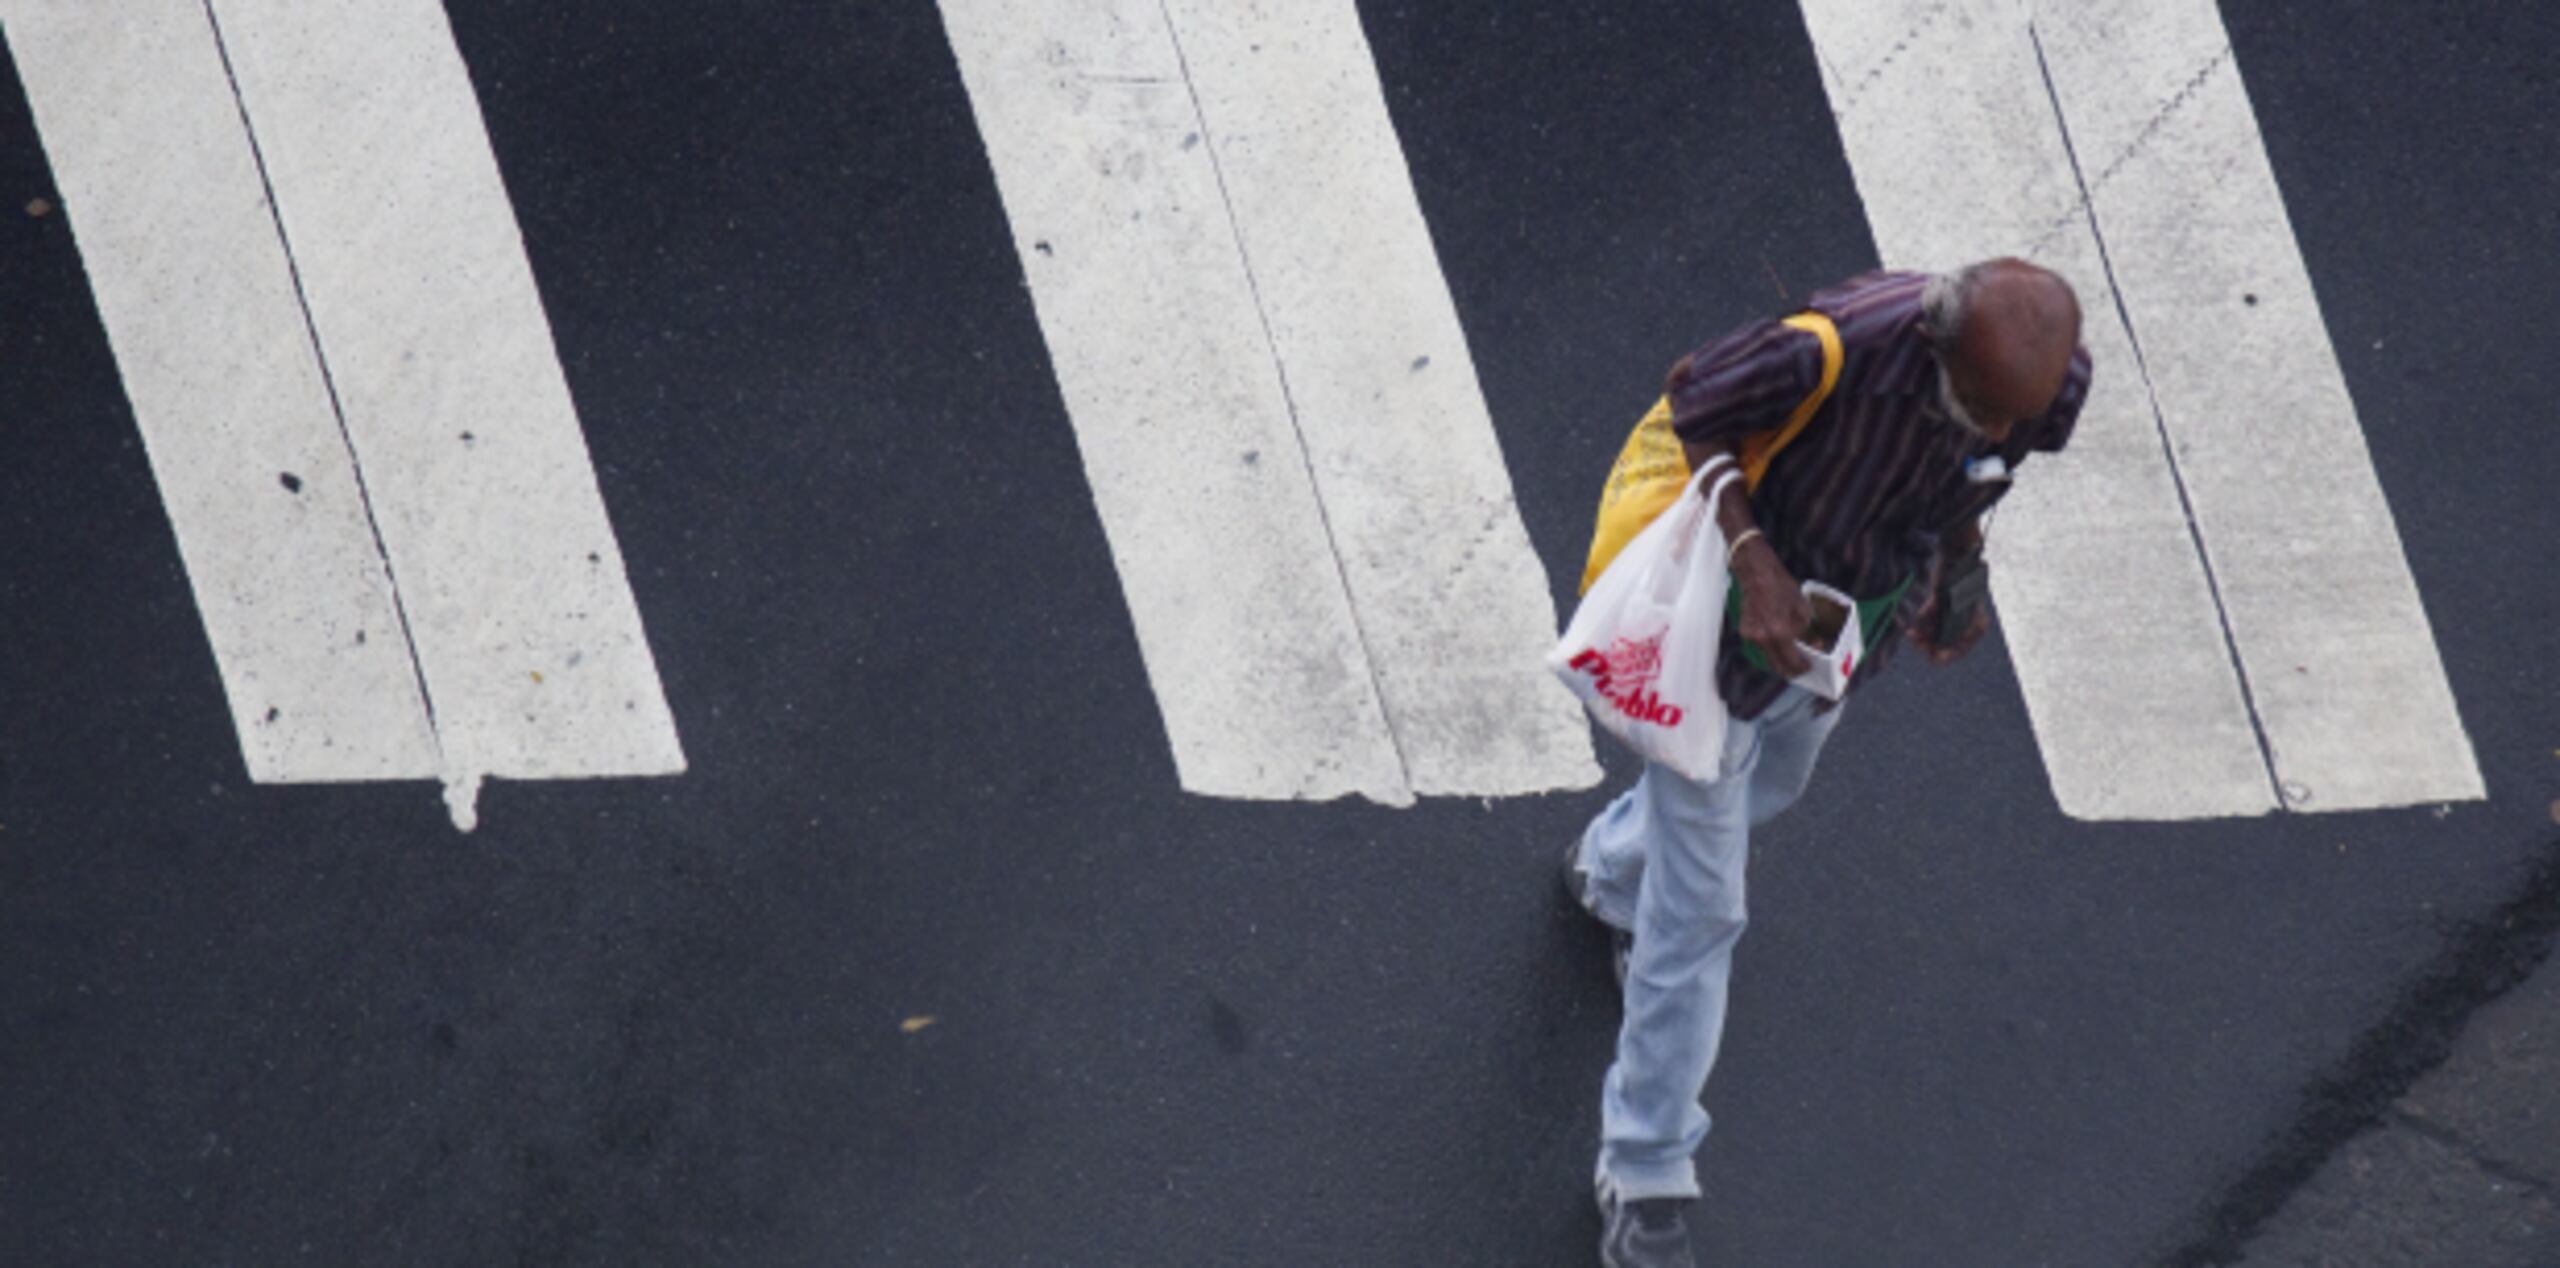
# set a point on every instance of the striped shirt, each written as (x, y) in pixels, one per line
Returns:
(1862, 497)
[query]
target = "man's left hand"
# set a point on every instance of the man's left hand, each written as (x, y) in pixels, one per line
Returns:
(1925, 625)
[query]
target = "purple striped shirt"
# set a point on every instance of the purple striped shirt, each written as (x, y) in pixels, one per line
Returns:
(1860, 499)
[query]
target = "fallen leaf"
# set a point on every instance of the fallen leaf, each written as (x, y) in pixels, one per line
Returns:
(914, 1024)
(537, 675)
(39, 207)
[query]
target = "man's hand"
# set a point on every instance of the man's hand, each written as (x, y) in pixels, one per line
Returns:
(1775, 613)
(1924, 628)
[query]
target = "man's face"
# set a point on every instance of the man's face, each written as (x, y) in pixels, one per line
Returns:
(1988, 390)
(1961, 402)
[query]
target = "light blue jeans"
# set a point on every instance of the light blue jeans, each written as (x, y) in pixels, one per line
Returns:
(1667, 862)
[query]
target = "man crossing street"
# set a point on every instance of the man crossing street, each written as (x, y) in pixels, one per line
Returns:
(1939, 387)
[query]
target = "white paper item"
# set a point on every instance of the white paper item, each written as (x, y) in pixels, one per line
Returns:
(1830, 672)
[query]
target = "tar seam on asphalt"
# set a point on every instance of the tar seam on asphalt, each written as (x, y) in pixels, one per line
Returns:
(2481, 961)
(328, 381)
(2142, 366)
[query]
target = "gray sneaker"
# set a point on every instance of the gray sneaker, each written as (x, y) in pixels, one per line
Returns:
(1645, 1233)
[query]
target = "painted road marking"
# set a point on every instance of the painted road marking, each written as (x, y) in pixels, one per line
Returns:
(2154, 697)
(454, 427)
(198, 300)
(2131, 688)
(2333, 641)
(1276, 406)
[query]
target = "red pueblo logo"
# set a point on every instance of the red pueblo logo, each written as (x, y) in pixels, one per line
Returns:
(1624, 677)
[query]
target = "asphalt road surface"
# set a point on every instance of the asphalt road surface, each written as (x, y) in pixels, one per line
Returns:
(669, 1020)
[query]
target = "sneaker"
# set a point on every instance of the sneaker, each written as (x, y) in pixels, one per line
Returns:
(1645, 1233)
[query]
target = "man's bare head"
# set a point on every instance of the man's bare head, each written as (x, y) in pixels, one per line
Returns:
(2004, 331)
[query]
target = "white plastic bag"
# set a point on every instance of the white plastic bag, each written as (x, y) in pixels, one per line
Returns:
(1641, 649)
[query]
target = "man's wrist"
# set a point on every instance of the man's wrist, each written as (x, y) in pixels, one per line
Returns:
(1756, 563)
(1742, 539)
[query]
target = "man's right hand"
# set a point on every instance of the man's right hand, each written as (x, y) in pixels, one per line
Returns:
(1775, 613)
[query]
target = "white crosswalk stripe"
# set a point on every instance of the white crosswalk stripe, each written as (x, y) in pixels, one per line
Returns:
(1276, 406)
(2205, 599)
(2332, 640)
(197, 295)
(352, 388)
(308, 266)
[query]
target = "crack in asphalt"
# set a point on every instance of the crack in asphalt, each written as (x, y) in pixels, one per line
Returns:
(1288, 397)
(2468, 1149)
(2159, 420)
(2481, 960)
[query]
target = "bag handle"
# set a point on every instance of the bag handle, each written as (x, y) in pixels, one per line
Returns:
(1719, 459)
(1661, 581)
(1730, 472)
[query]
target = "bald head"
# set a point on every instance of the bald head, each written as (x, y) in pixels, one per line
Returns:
(2005, 331)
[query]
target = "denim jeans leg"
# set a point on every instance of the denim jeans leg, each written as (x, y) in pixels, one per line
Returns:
(1613, 850)
(1791, 737)
(1616, 841)
(1689, 911)
(1690, 846)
